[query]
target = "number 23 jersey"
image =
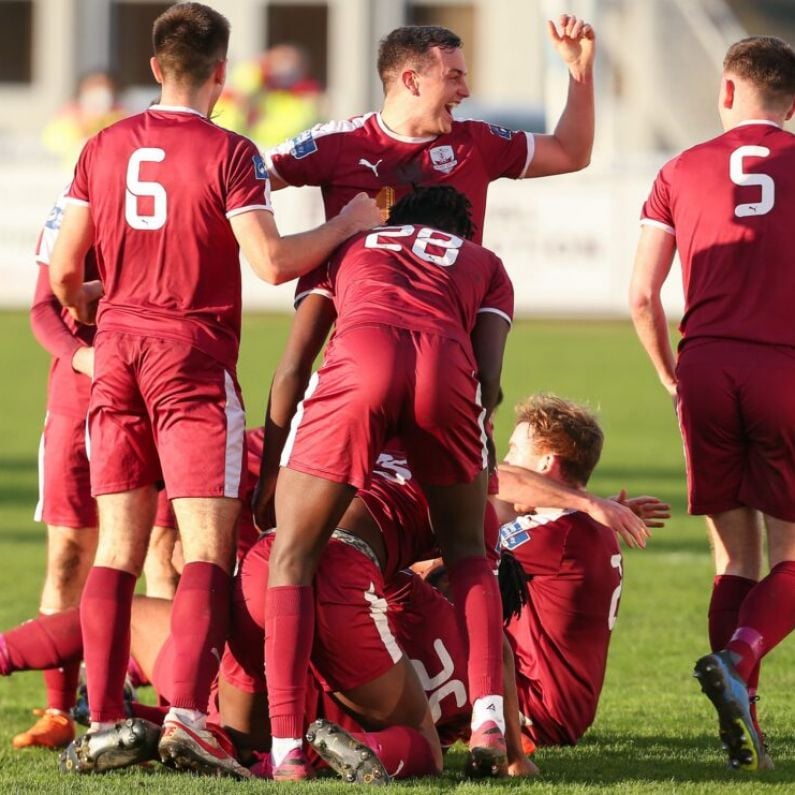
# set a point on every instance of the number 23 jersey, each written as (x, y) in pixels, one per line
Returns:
(161, 187)
(730, 203)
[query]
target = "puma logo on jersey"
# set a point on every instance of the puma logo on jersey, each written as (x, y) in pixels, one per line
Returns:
(373, 166)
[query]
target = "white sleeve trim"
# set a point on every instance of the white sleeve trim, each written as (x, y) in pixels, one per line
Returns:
(531, 150)
(493, 311)
(78, 202)
(314, 291)
(658, 224)
(248, 208)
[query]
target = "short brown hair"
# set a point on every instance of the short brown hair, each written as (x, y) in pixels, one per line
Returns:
(566, 429)
(768, 63)
(411, 44)
(189, 40)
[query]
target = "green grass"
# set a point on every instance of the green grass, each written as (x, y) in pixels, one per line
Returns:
(653, 733)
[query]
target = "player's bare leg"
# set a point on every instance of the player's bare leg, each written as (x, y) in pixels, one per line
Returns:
(70, 553)
(308, 509)
(150, 627)
(199, 623)
(159, 572)
(457, 514)
(736, 540)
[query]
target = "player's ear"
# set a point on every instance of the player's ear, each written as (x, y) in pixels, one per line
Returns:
(156, 71)
(727, 88)
(790, 112)
(219, 75)
(409, 79)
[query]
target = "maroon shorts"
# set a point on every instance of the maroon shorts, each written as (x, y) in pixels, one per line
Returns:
(161, 409)
(350, 613)
(737, 417)
(64, 479)
(381, 381)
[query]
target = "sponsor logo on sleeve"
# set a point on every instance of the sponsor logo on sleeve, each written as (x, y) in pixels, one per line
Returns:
(515, 533)
(501, 132)
(443, 158)
(260, 172)
(54, 218)
(304, 144)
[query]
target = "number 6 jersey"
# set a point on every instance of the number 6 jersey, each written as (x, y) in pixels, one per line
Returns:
(161, 187)
(730, 203)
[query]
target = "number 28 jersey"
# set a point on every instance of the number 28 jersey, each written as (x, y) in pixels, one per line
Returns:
(413, 277)
(730, 202)
(161, 187)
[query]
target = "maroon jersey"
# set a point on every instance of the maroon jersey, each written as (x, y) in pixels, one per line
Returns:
(361, 154)
(166, 253)
(412, 277)
(57, 330)
(560, 639)
(730, 203)
(426, 628)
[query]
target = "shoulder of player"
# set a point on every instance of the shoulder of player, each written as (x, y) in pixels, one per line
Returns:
(480, 130)
(325, 133)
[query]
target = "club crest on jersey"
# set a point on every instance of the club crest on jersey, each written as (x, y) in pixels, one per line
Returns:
(502, 132)
(260, 172)
(303, 145)
(443, 158)
(515, 533)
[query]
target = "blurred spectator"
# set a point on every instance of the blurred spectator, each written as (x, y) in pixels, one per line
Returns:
(95, 106)
(271, 98)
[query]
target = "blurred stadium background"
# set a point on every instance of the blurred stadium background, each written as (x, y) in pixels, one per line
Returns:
(567, 241)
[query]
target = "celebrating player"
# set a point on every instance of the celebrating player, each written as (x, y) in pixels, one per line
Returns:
(406, 298)
(414, 139)
(735, 374)
(167, 199)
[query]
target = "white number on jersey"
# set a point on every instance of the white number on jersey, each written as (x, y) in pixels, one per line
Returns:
(391, 468)
(440, 686)
(615, 562)
(744, 179)
(425, 237)
(137, 188)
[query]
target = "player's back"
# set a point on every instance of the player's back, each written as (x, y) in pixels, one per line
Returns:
(419, 278)
(561, 638)
(161, 186)
(731, 201)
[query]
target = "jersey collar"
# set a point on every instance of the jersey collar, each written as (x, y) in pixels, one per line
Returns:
(406, 139)
(758, 121)
(176, 109)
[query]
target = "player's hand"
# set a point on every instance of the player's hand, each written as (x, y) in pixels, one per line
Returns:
(522, 768)
(621, 519)
(84, 309)
(83, 361)
(262, 506)
(651, 510)
(575, 42)
(362, 213)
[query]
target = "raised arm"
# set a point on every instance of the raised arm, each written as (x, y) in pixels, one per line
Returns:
(278, 259)
(653, 260)
(569, 147)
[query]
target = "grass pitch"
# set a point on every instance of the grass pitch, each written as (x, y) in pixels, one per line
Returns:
(654, 731)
